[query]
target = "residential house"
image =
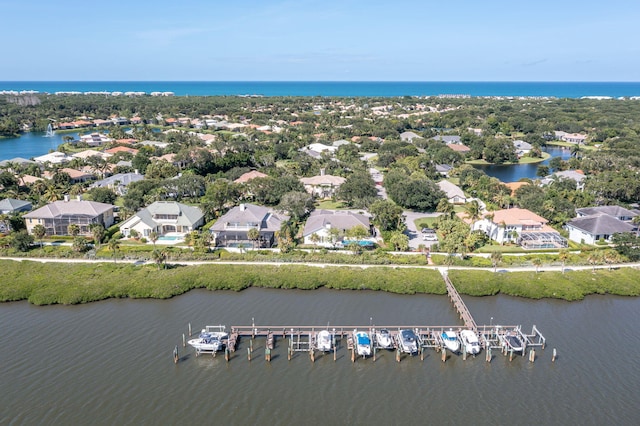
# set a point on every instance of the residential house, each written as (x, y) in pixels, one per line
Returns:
(322, 186)
(11, 206)
(117, 149)
(95, 139)
(57, 216)
(321, 222)
(618, 212)
(118, 183)
(16, 161)
(409, 136)
(577, 138)
(448, 139)
(55, 157)
(231, 230)
(522, 147)
(463, 149)
(592, 228)
(454, 193)
(575, 175)
(164, 218)
(76, 176)
(88, 153)
(520, 226)
(246, 177)
(443, 169)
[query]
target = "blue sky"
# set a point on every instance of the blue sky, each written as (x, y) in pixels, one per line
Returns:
(302, 40)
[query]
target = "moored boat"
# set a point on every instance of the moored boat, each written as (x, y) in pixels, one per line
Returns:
(513, 342)
(211, 339)
(324, 341)
(408, 341)
(383, 339)
(450, 340)
(362, 343)
(470, 342)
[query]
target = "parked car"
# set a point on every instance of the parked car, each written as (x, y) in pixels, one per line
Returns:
(428, 231)
(429, 237)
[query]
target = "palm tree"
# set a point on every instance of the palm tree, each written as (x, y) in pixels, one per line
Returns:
(114, 245)
(39, 231)
(73, 229)
(315, 239)
(611, 257)
(594, 259)
(97, 231)
(445, 207)
(563, 255)
(537, 262)
(496, 258)
(159, 257)
(472, 212)
(153, 237)
(253, 234)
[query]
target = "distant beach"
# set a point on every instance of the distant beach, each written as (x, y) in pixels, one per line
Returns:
(337, 88)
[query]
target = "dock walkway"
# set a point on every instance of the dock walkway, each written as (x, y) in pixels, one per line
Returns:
(459, 304)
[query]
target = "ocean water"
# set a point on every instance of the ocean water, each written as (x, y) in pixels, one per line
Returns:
(340, 88)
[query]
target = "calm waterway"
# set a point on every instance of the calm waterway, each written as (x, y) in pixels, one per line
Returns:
(110, 363)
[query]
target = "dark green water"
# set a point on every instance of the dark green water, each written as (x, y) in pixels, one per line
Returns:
(110, 363)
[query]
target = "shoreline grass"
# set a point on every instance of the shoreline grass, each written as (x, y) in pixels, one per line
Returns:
(64, 283)
(570, 286)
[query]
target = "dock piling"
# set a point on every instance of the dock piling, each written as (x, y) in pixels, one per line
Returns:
(532, 355)
(190, 330)
(553, 357)
(249, 354)
(184, 341)
(175, 355)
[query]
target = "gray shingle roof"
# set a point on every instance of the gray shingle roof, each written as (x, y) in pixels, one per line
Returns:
(615, 211)
(250, 213)
(71, 207)
(11, 205)
(319, 219)
(600, 224)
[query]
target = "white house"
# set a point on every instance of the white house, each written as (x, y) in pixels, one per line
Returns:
(321, 222)
(322, 186)
(520, 226)
(164, 217)
(454, 193)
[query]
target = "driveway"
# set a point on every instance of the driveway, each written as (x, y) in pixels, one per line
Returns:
(415, 236)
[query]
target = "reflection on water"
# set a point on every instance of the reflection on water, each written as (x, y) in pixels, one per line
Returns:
(515, 172)
(110, 362)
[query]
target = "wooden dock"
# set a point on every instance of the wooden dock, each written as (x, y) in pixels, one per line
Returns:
(305, 338)
(458, 303)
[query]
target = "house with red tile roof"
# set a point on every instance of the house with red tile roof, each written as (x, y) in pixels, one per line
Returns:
(520, 226)
(117, 149)
(249, 176)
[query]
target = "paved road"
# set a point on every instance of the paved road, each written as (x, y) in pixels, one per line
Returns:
(323, 265)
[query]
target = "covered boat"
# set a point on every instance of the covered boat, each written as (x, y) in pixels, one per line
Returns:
(470, 342)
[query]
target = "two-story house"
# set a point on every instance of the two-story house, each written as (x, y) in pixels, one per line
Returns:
(163, 218)
(232, 229)
(520, 226)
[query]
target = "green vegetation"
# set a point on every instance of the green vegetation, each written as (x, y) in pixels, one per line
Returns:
(45, 284)
(573, 285)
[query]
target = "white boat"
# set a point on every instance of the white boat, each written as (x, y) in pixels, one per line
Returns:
(362, 343)
(408, 341)
(512, 341)
(324, 341)
(212, 338)
(383, 339)
(450, 340)
(470, 342)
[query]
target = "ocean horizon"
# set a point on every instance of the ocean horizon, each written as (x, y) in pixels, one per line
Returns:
(339, 88)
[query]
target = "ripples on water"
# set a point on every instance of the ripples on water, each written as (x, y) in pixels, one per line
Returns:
(110, 362)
